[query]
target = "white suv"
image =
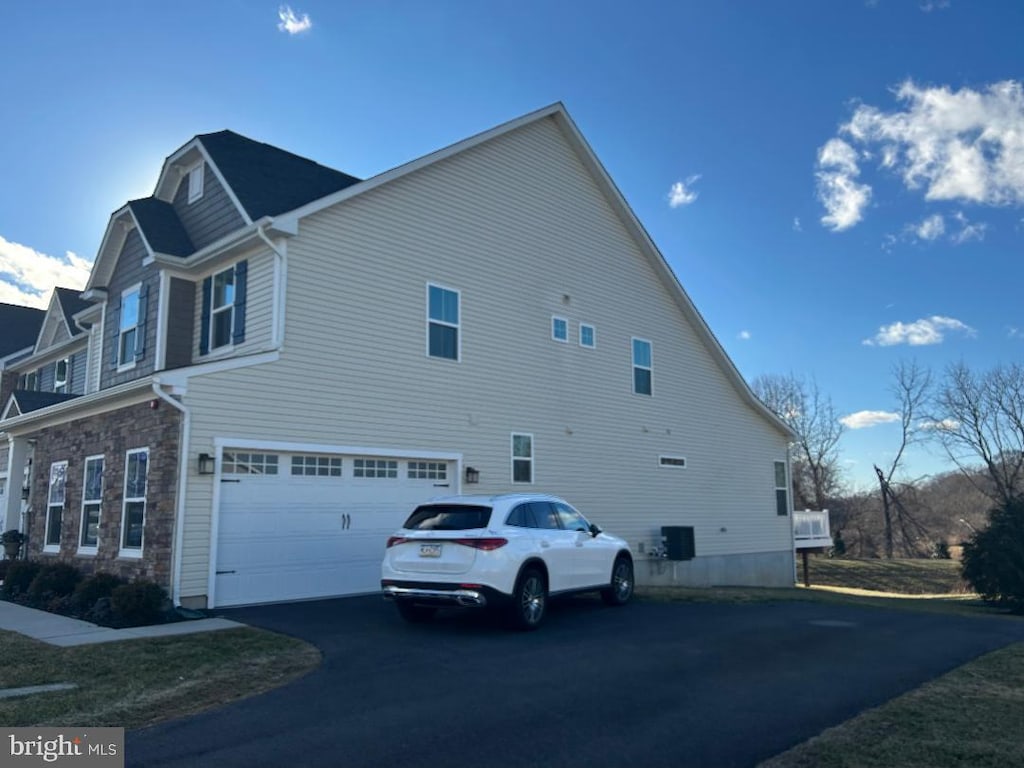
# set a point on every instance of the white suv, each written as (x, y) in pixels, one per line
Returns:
(513, 550)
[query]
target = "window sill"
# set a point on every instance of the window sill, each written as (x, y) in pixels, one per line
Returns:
(87, 552)
(51, 549)
(122, 367)
(129, 554)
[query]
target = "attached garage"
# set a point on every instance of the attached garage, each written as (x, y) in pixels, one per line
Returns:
(295, 525)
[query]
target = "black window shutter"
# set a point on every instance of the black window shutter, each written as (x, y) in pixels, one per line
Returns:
(204, 325)
(140, 329)
(115, 310)
(241, 282)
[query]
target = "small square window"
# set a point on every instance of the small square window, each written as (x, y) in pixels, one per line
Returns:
(588, 336)
(560, 329)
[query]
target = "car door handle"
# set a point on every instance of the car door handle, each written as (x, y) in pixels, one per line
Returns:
(545, 544)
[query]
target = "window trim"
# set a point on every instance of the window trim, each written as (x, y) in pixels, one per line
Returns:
(593, 336)
(457, 326)
(60, 386)
(196, 178)
(634, 367)
(227, 308)
(127, 365)
(91, 549)
(555, 319)
(783, 488)
(122, 550)
(530, 459)
(47, 547)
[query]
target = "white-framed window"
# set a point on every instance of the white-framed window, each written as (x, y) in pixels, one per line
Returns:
(92, 504)
(427, 470)
(588, 336)
(383, 468)
(781, 489)
(316, 466)
(29, 381)
(133, 514)
(247, 463)
(672, 462)
(222, 308)
(60, 375)
(443, 329)
(55, 505)
(522, 458)
(195, 182)
(643, 367)
(560, 329)
(128, 330)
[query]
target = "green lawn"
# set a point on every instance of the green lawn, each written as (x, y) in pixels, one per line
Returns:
(138, 682)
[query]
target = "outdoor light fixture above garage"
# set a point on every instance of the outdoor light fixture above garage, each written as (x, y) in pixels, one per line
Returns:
(206, 464)
(472, 476)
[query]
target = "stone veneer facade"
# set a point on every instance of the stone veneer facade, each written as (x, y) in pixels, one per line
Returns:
(110, 434)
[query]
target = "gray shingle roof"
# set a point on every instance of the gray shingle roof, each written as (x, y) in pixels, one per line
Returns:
(161, 226)
(20, 327)
(71, 304)
(28, 400)
(267, 180)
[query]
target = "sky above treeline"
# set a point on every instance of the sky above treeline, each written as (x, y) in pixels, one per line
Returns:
(837, 185)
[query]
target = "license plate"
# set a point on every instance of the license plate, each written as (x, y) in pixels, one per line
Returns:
(430, 550)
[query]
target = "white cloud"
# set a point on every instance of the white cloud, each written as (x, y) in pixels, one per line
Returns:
(682, 193)
(927, 6)
(864, 419)
(743, 336)
(965, 144)
(291, 22)
(844, 198)
(945, 424)
(968, 231)
(929, 330)
(27, 276)
(931, 228)
(797, 227)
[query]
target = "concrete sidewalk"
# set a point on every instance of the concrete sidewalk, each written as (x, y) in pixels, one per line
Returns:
(63, 631)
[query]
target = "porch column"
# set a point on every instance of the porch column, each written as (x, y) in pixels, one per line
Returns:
(16, 459)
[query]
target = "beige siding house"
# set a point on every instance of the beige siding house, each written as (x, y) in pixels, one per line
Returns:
(487, 318)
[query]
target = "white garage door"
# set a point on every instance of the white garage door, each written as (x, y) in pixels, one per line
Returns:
(295, 526)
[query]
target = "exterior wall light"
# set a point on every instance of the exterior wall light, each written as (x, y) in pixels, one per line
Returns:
(472, 476)
(205, 464)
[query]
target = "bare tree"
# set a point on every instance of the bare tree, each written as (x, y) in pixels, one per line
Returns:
(811, 415)
(911, 386)
(980, 417)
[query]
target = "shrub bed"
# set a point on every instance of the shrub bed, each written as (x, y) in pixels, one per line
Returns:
(101, 598)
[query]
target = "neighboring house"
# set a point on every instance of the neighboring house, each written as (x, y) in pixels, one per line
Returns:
(283, 360)
(19, 331)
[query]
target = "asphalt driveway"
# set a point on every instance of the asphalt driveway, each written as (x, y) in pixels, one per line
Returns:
(651, 684)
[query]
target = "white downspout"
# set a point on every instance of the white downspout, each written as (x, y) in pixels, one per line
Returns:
(280, 273)
(179, 523)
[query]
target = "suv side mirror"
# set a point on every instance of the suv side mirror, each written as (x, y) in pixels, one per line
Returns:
(594, 530)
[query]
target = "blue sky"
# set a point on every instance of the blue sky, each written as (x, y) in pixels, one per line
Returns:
(819, 174)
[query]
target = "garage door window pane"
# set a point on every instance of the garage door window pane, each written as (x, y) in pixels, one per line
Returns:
(316, 466)
(380, 468)
(428, 470)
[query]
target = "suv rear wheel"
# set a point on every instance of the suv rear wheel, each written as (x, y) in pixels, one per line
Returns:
(529, 600)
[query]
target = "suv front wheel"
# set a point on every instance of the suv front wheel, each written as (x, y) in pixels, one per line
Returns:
(620, 589)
